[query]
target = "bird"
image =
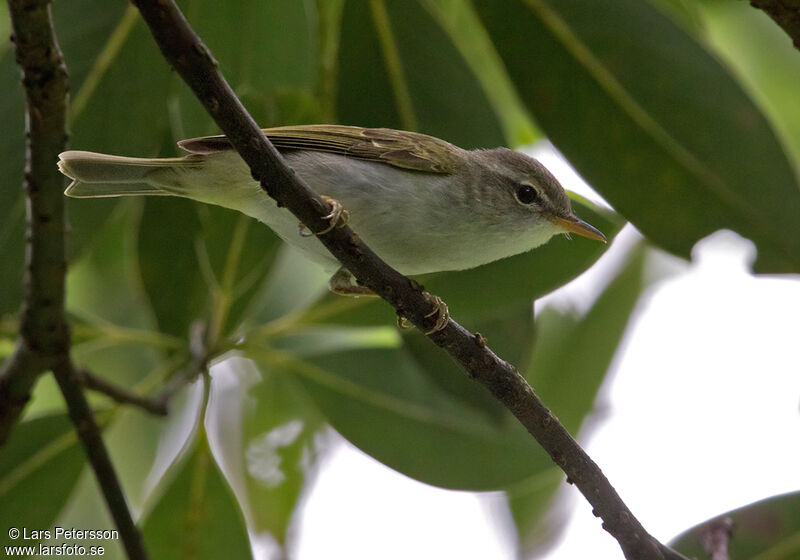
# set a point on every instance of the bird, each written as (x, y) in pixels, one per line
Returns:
(421, 203)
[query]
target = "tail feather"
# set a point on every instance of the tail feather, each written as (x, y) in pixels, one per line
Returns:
(100, 175)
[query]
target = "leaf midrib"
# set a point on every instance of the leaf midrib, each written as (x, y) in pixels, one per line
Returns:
(607, 82)
(401, 407)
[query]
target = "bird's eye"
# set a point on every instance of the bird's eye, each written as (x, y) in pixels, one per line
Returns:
(526, 194)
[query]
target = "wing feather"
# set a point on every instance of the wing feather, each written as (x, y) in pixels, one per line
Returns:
(407, 150)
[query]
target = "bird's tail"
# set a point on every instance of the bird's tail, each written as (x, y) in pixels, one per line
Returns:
(100, 175)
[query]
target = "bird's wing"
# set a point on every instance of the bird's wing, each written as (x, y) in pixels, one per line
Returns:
(407, 150)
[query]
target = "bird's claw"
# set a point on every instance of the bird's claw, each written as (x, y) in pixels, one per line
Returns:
(440, 310)
(338, 217)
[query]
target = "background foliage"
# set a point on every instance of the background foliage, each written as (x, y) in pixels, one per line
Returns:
(684, 122)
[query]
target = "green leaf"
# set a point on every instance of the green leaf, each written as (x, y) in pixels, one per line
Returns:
(142, 447)
(114, 335)
(114, 113)
(178, 432)
(313, 341)
(463, 27)
(344, 310)
(134, 439)
(86, 508)
(107, 269)
(509, 336)
(623, 92)
(292, 284)
(201, 261)
(196, 261)
(765, 530)
(272, 65)
(570, 360)
(764, 60)
(262, 429)
(381, 401)
(197, 516)
(39, 467)
(399, 69)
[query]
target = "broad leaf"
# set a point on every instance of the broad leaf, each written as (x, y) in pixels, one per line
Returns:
(272, 65)
(101, 122)
(510, 336)
(399, 69)
(107, 269)
(381, 401)
(201, 261)
(763, 58)
(142, 448)
(624, 93)
(768, 529)
(197, 516)
(113, 332)
(87, 508)
(39, 467)
(292, 284)
(463, 27)
(263, 432)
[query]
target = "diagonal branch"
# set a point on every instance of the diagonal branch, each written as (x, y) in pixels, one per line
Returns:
(44, 333)
(91, 437)
(120, 394)
(196, 65)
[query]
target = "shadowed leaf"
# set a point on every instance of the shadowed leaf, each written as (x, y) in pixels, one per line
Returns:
(623, 92)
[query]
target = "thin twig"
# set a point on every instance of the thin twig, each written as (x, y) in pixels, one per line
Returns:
(95, 383)
(196, 65)
(197, 365)
(44, 334)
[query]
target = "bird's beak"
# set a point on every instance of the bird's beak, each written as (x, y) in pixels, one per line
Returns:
(573, 224)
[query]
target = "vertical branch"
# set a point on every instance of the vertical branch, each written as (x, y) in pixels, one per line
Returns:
(44, 334)
(43, 330)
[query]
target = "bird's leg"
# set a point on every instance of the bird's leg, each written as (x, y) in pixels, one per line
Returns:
(440, 310)
(337, 217)
(344, 283)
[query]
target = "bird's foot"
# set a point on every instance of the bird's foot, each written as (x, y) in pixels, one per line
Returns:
(440, 311)
(338, 217)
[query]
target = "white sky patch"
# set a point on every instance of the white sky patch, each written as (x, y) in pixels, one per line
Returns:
(361, 509)
(262, 454)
